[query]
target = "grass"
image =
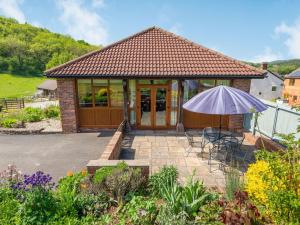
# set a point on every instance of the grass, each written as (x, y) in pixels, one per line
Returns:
(13, 85)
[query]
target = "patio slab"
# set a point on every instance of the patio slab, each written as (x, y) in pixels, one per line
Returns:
(169, 148)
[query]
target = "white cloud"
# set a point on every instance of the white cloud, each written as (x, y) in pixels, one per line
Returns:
(82, 22)
(98, 3)
(11, 8)
(293, 37)
(176, 28)
(266, 56)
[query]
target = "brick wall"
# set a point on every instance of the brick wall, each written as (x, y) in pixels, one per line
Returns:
(236, 121)
(66, 91)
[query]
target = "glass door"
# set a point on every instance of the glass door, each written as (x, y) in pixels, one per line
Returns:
(145, 107)
(160, 107)
(153, 106)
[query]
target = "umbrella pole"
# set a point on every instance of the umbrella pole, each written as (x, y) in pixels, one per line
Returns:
(220, 126)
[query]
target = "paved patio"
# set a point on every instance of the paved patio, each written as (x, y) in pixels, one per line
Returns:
(168, 148)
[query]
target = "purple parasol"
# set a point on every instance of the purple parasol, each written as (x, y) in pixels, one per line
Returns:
(223, 100)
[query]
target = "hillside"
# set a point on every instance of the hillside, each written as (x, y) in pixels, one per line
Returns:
(281, 67)
(26, 49)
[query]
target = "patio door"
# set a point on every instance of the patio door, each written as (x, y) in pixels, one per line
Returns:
(153, 106)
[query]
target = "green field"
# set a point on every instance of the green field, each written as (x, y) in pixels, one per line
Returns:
(12, 85)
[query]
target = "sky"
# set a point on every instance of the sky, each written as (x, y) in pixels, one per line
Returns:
(252, 30)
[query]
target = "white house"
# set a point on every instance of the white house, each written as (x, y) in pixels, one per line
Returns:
(269, 88)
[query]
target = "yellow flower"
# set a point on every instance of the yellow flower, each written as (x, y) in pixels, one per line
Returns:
(69, 173)
(84, 172)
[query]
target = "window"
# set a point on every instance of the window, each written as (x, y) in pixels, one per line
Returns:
(294, 98)
(274, 88)
(292, 82)
(100, 93)
(85, 96)
(116, 93)
(193, 87)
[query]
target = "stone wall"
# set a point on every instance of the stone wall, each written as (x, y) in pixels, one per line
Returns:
(236, 121)
(66, 91)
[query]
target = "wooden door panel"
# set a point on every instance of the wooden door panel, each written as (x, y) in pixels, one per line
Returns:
(102, 116)
(200, 121)
(116, 116)
(86, 116)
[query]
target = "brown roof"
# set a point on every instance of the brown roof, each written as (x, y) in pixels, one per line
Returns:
(154, 53)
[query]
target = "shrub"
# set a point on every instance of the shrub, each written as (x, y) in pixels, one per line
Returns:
(167, 217)
(33, 114)
(9, 122)
(68, 188)
(122, 181)
(167, 176)
(140, 210)
(102, 173)
(9, 207)
(276, 176)
(233, 182)
(38, 203)
(240, 210)
(92, 205)
(52, 111)
(188, 199)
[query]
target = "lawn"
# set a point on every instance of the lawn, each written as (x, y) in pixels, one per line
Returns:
(12, 85)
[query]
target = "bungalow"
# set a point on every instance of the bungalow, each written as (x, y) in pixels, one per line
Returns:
(291, 91)
(145, 79)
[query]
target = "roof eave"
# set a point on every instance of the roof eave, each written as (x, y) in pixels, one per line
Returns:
(135, 76)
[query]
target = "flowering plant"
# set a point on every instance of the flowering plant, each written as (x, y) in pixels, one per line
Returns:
(10, 175)
(36, 180)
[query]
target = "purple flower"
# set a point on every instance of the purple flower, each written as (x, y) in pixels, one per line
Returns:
(38, 179)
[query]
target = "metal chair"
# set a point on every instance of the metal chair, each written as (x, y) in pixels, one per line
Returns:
(192, 144)
(217, 154)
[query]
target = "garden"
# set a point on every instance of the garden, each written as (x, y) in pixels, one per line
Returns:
(29, 117)
(267, 194)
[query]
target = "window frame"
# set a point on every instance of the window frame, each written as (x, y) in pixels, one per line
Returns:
(107, 86)
(291, 82)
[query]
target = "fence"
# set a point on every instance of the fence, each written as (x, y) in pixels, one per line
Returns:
(277, 119)
(11, 103)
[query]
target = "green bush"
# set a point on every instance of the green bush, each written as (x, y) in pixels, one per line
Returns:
(140, 210)
(32, 114)
(39, 206)
(104, 172)
(52, 111)
(67, 191)
(122, 181)
(92, 205)
(9, 207)
(167, 175)
(188, 199)
(9, 122)
(233, 183)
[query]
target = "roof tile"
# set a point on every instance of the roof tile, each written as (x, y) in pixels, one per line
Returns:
(154, 52)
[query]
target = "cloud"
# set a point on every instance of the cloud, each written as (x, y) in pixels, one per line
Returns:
(98, 3)
(175, 28)
(267, 56)
(293, 37)
(11, 8)
(82, 22)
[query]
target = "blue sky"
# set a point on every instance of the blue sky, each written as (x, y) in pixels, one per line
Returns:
(255, 30)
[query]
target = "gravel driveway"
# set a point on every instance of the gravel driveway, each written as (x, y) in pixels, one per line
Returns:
(55, 154)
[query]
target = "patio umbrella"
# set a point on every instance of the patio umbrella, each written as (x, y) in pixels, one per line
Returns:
(223, 100)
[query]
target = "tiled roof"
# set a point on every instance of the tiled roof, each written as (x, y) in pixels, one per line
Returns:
(294, 74)
(154, 53)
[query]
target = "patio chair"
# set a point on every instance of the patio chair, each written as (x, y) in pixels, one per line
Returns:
(217, 154)
(242, 159)
(192, 144)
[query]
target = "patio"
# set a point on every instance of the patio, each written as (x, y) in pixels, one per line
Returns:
(169, 148)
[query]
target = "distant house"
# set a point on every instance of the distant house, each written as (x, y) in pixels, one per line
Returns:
(269, 88)
(47, 89)
(291, 91)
